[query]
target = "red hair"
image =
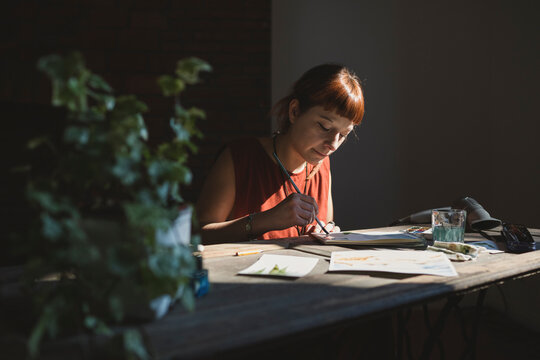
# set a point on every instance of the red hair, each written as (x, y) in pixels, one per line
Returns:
(332, 86)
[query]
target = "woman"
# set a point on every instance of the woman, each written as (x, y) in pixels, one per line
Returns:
(247, 194)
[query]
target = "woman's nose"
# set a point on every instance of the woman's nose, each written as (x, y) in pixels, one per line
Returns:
(333, 141)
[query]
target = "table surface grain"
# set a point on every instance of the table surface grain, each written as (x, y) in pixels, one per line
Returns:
(241, 311)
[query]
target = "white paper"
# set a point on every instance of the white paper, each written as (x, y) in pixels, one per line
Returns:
(281, 265)
(397, 261)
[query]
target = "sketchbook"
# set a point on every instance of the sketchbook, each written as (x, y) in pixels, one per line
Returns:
(373, 239)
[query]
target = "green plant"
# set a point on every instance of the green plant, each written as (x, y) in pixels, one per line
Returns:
(100, 200)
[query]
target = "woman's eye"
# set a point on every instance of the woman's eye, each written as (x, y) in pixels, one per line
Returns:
(322, 127)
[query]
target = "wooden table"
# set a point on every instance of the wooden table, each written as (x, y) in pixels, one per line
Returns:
(245, 312)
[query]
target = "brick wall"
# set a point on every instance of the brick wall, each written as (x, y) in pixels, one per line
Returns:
(131, 42)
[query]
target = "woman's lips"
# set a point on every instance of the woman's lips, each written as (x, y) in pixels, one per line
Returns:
(321, 154)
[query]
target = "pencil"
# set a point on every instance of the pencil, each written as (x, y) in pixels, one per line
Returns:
(248, 252)
(297, 189)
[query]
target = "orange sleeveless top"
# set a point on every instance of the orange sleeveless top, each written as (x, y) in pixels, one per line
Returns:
(260, 184)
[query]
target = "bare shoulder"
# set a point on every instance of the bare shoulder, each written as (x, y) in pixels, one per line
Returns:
(217, 196)
(224, 162)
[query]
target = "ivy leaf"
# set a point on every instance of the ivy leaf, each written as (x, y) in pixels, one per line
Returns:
(69, 78)
(186, 175)
(116, 307)
(197, 113)
(128, 105)
(163, 191)
(174, 193)
(147, 216)
(37, 333)
(48, 321)
(44, 200)
(195, 240)
(104, 101)
(180, 112)
(77, 135)
(97, 82)
(94, 114)
(37, 142)
(188, 298)
(182, 134)
(123, 170)
(90, 322)
(188, 69)
(97, 325)
(134, 345)
(121, 261)
(71, 224)
(51, 65)
(170, 86)
(143, 133)
(163, 264)
(51, 228)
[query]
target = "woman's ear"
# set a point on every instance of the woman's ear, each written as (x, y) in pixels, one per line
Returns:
(294, 110)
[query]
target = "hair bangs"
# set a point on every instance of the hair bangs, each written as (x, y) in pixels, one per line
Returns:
(344, 96)
(332, 86)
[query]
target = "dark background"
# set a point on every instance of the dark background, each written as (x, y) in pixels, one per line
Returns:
(451, 91)
(451, 87)
(132, 42)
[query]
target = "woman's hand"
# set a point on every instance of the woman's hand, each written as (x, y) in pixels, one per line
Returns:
(296, 210)
(330, 227)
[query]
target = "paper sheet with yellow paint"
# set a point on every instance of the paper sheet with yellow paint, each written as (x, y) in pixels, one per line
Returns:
(396, 261)
(281, 265)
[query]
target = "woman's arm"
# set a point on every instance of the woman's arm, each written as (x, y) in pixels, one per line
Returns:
(217, 200)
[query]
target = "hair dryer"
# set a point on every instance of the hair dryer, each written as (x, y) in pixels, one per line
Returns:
(477, 217)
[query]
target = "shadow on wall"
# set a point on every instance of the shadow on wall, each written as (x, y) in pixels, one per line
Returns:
(450, 103)
(467, 117)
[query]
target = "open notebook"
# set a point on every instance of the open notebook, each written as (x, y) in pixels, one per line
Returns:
(372, 238)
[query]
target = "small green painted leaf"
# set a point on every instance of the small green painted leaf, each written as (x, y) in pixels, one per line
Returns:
(277, 271)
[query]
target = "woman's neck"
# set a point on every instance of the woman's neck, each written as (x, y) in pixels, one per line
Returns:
(288, 156)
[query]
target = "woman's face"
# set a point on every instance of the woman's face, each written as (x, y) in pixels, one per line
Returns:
(317, 132)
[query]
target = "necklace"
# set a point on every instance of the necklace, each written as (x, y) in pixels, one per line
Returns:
(303, 231)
